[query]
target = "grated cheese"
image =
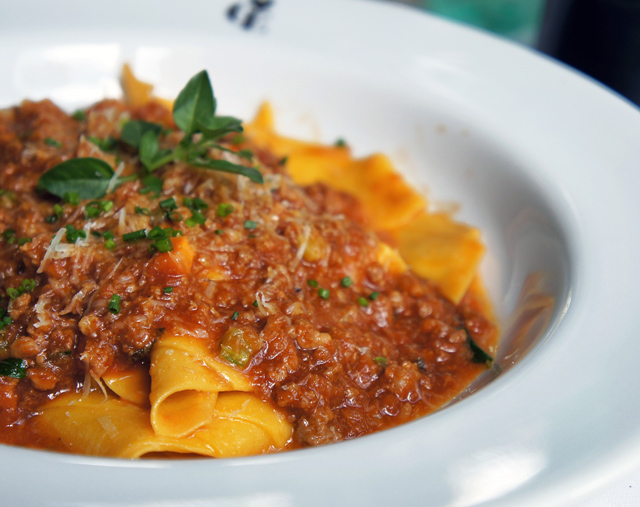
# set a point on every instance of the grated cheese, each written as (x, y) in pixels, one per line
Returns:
(114, 179)
(306, 233)
(52, 248)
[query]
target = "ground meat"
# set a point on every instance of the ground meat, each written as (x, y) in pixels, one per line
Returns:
(347, 347)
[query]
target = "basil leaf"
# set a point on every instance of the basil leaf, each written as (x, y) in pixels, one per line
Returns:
(228, 167)
(150, 154)
(134, 130)
(219, 126)
(149, 148)
(88, 177)
(195, 104)
(13, 367)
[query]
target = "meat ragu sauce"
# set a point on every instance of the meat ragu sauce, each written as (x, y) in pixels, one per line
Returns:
(340, 343)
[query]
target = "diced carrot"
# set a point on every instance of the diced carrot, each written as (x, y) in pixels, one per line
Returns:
(178, 261)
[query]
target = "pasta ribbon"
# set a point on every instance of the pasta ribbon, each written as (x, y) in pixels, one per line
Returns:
(132, 384)
(199, 405)
(185, 381)
(243, 425)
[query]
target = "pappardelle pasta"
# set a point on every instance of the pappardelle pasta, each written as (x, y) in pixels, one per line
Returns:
(178, 283)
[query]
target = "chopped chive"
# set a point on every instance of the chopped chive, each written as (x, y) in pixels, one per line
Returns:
(72, 198)
(324, 293)
(312, 283)
(134, 236)
(255, 303)
(73, 234)
(235, 316)
(250, 224)
(156, 233)
(196, 218)
(164, 245)
(198, 204)
(363, 301)
(142, 211)
(109, 244)
(381, 361)
(50, 141)
(168, 204)
(374, 295)
(114, 304)
(340, 143)
(27, 285)
(224, 210)
(174, 216)
(94, 208)
(346, 282)
(219, 231)
(9, 236)
(284, 160)
(107, 235)
(167, 290)
(24, 241)
(96, 234)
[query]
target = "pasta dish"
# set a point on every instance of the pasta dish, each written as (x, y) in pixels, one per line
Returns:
(176, 282)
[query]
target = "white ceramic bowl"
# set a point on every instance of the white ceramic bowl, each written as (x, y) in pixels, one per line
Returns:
(544, 161)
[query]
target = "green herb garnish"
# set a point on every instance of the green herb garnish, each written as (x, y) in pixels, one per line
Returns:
(13, 367)
(380, 361)
(363, 301)
(95, 208)
(167, 290)
(194, 113)
(108, 144)
(324, 293)
(114, 304)
(27, 285)
(79, 115)
(74, 234)
(88, 178)
(224, 210)
(479, 355)
(134, 236)
(50, 141)
(346, 282)
(168, 204)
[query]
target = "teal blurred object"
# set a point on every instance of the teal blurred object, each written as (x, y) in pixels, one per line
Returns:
(516, 19)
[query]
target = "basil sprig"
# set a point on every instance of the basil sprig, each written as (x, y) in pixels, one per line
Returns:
(193, 112)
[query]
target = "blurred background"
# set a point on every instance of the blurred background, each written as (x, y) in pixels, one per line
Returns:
(598, 37)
